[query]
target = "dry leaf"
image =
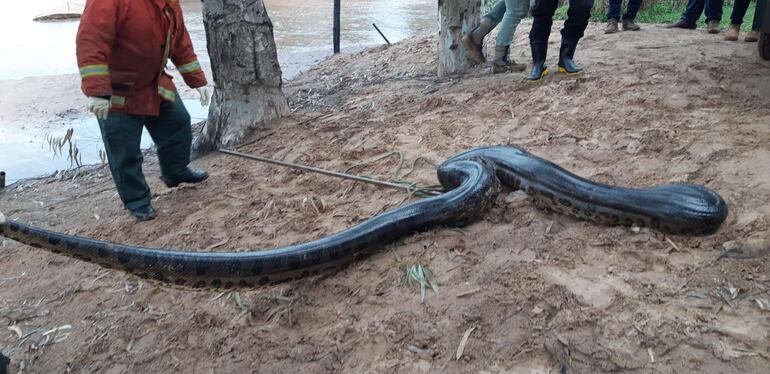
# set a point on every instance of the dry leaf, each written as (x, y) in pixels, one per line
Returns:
(17, 330)
(459, 247)
(463, 342)
(734, 291)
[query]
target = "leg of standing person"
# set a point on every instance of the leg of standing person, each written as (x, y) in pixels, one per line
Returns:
(714, 15)
(122, 135)
(516, 10)
(574, 27)
(172, 133)
(628, 19)
(739, 11)
(474, 40)
(496, 14)
(756, 25)
(736, 19)
(542, 19)
(613, 16)
(690, 16)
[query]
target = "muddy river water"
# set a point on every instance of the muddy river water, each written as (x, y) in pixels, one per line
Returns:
(303, 34)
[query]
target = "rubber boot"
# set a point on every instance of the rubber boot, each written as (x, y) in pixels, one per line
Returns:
(474, 41)
(539, 53)
(566, 53)
(502, 63)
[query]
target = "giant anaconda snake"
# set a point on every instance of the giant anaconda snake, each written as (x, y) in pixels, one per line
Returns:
(471, 181)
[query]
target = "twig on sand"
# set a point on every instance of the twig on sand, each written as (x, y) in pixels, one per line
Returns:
(102, 275)
(674, 247)
(218, 244)
(469, 292)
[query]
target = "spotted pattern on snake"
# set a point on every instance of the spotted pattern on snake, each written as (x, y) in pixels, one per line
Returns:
(471, 182)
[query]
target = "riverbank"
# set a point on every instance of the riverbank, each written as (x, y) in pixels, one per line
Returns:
(655, 106)
(42, 98)
(35, 109)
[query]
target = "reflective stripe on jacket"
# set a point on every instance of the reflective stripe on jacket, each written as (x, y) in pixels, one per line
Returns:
(122, 47)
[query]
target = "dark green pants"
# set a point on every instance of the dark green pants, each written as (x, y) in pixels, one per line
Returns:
(122, 134)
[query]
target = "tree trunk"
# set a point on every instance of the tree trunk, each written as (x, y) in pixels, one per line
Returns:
(455, 18)
(248, 80)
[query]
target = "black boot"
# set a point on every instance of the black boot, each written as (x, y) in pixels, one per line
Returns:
(144, 213)
(188, 176)
(566, 54)
(539, 53)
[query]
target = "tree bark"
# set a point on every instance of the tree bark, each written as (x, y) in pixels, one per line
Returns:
(245, 66)
(455, 18)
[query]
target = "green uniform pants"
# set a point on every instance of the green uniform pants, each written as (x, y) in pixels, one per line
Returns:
(122, 134)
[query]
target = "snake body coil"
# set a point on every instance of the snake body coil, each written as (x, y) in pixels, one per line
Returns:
(471, 181)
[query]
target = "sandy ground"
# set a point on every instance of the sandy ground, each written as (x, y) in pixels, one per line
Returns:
(531, 286)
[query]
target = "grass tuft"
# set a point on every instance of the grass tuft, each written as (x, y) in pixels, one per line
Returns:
(419, 275)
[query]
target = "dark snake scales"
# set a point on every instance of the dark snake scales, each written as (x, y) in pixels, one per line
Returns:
(471, 181)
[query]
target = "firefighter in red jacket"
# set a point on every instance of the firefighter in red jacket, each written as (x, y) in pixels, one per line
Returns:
(122, 50)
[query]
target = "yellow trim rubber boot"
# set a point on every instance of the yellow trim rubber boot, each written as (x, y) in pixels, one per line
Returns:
(539, 53)
(566, 53)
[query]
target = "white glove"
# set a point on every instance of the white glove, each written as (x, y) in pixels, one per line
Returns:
(98, 106)
(205, 93)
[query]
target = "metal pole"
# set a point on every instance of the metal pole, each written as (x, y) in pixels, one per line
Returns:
(381, 34)
(326, 172)
(337, 6)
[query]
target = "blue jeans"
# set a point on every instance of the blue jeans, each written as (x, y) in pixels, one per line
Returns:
(739, 11)
(508, 13)
(695, 8)
(615, 6)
